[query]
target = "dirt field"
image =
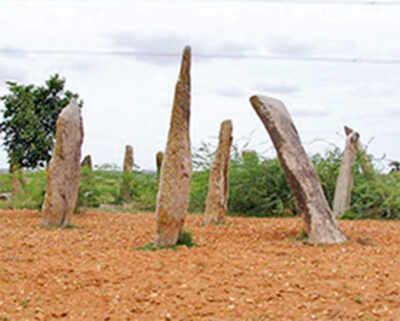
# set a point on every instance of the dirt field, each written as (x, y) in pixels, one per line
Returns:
(248, 269)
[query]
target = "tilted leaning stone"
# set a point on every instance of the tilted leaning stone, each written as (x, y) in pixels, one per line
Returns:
(344, 182)
(176, 170)
(319, 222)
(218, 187)
(125, 191)
(63, 172)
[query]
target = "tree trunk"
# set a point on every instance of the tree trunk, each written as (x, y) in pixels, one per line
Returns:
(344, 182)
(319, 222)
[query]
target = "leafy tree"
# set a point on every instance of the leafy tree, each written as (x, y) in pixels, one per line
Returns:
(29, 120)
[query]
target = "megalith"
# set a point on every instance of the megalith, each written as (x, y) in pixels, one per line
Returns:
(63, 173)
(366, 163)
(319, 221)
(87, 162)
(176, 170)
(159, 160)
(17, 179)
(218, 186)
(125, 192)
(345, 181)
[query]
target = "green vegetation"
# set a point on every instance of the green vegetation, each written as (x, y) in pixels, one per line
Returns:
(257, 187)
(25, 303)
(184, 239)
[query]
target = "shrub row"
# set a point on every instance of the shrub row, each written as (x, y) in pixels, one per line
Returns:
(257, 188)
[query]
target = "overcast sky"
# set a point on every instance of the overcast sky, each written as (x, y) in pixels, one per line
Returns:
(333, 63)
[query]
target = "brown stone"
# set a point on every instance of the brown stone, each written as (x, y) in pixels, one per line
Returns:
(159, 160)
(366, 163)
(218, 187)
(17, 179)
(319, 222)
(63, 173)
(87, 162)
(344, 182)
(125, 192)
(176, 170)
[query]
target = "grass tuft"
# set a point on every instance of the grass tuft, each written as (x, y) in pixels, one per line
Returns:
(184, 239)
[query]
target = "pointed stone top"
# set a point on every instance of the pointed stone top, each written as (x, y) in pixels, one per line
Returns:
(185, 64)
(71, 111)
(351, 134)
(348, 130)
(227, 122)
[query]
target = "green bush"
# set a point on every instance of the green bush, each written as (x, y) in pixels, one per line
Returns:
(327, 166)
(258, 188)
(376, 197)
(32, 195)
(144, 188)
(89, 192)
(198, 191)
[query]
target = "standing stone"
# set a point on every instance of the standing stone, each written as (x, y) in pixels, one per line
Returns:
(17, 179)
(176, 170)
(344, 182)
(87, 162)
(125, 191)
(319, 222)
(159, 160)
(366, 163)
(218, 186)
(63, 173)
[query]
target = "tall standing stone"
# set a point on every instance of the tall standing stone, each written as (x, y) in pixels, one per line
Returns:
(125, 191)
(176, 170)
(159, 160)
(319, 222)
(345, 181)
(63, 173)
(218, 187)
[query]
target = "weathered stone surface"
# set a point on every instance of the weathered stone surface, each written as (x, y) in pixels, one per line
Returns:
(218, 187)
(176, 170)
(366, 163)
(344, 182)
(63, 172)
(87, 162)
(319, 222)
(159, 160)
(125, 191)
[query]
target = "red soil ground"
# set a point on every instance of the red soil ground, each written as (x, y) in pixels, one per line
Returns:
(248, 269)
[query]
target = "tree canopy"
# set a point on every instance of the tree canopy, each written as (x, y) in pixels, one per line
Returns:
(29, 120)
